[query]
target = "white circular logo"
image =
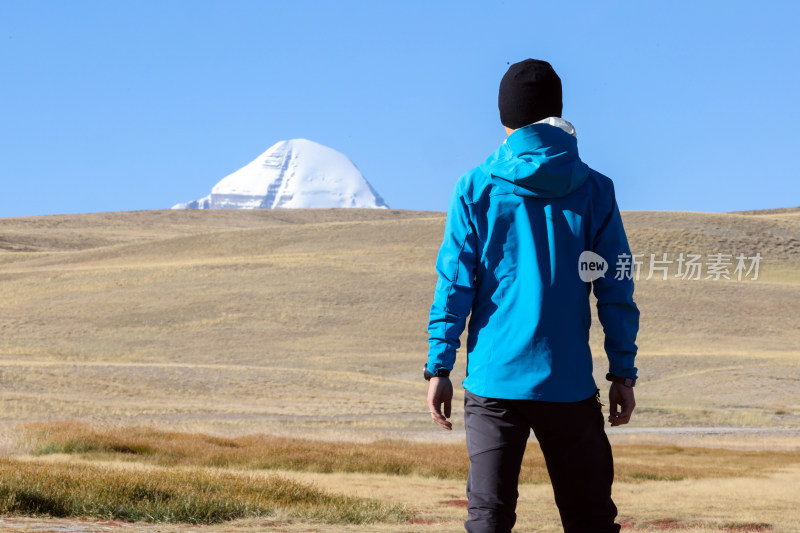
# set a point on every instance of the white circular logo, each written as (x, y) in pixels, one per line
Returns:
(591, 266)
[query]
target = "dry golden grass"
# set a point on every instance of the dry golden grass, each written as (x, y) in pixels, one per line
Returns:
(398, 458)
(698, 490)
(710, 505)
(312, 323)
(309, 326)
(173, 495)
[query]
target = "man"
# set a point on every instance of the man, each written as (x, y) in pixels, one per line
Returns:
(521, 231)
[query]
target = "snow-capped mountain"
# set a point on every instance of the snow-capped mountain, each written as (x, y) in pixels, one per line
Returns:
(298, 173)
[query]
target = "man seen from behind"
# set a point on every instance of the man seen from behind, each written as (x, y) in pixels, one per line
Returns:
(521, 232)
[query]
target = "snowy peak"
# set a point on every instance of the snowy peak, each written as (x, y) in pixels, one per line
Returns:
(292, 174)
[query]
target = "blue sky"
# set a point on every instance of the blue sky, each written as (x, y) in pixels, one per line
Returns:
(123, 105)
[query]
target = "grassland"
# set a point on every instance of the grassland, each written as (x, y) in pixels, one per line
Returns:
(287, 328)
(259, 482)
(393, 458)
(193, 496)
(312, 324)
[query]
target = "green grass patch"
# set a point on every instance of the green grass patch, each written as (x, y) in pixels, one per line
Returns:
(180, 495)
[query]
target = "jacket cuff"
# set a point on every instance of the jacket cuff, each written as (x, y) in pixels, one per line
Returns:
(435, 366)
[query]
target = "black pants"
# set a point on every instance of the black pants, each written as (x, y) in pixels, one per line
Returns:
(575, 448)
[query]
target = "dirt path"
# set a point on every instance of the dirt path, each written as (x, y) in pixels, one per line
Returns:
(76, 526)
(736, 438)
(709, 430)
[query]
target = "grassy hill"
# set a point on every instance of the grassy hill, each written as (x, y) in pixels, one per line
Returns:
(312, 323)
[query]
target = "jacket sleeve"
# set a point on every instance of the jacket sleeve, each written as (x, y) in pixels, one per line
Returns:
(616, 309)
(455, 288)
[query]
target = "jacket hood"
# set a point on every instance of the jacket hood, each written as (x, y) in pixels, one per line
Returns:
(539, 160)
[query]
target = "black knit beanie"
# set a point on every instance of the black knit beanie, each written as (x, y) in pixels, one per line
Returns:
(529, 92)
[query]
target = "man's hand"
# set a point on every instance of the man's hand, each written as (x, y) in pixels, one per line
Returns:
(622, 396)
(440, 390)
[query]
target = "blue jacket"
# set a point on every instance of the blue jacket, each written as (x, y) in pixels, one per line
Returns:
(515, 230)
